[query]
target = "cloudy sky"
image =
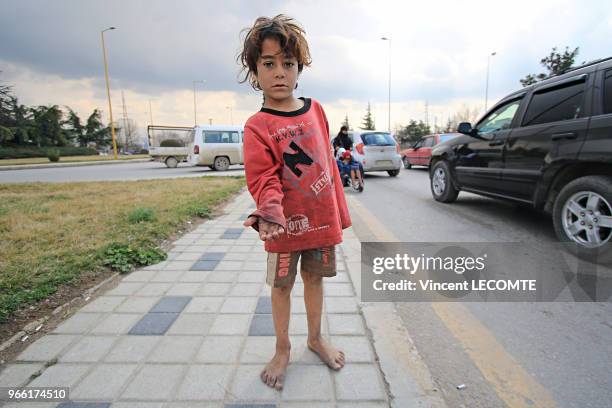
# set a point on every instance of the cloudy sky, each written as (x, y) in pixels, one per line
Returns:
(50, 52)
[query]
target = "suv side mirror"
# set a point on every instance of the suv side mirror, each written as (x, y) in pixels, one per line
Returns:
(465, 128)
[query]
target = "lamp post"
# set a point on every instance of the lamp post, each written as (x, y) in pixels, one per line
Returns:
(487, 87)
(195, 105)
(231, 115)
(389, 101)
(110, 107)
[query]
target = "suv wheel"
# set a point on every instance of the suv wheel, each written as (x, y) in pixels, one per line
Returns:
(393, 173)
(171, 162)
(441, 185)
(582, 214)
(221, 163)
(406, 162)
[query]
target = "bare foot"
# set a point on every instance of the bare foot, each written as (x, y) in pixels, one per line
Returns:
(273, 373)
(330, 355)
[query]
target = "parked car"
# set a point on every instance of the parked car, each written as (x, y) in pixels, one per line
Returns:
(217, 146)
(376, 151)
(548, 145)
(420, 153)
(169, 144)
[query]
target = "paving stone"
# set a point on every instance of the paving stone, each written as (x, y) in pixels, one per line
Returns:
(230, 236)
(204, 266)
(345, 324)
(298, 325)
(262, 325)
(104, 382)
(258, 349)
(80, 323)
(192, 324)
(222, 277)
(153, 323)
(230, 324)
(212, 256)
(204, 304)
(307, 382)
(229, 266)
(309, 404)
(246, 289)
(239, 305)
(187, 256)
(219, 349)
(139, 276)
(46, 348)
(194, 276)
(183, 289)
(154, 289)
(175, 349)
(235, 231)
(301, 354)
(60, 375)
(338, 289)
(88, 349)
(137, 304)
(249, 406)
(298, 289)
(359, 382)
(132, 404)
(116, 323)
(250, 277)
(103, 304)
(214, 289)
(125, 289)
(241, 256)
(154, 382)
(264, 305)
(341, 305)
(341, 277)
(373, 404)
(171, 304)
(356, 348)
(219, 248)
(247, 386)
(167, 276)
(132, 349)
(71, 404)
(205, 382)
(16, 375)
(240, 248)
(179, 265)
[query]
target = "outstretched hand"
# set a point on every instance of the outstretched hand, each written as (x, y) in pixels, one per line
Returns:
(268, 231)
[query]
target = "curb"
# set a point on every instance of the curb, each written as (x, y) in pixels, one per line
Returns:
(73, 164)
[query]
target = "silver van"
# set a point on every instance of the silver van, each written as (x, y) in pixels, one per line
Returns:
(376, 151)
(217, 146)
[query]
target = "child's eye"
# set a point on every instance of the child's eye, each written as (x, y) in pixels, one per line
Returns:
(267, 64)
(289, 64)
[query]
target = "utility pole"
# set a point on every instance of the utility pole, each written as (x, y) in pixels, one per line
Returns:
(110, 106)
(127, 131)
(487, 86)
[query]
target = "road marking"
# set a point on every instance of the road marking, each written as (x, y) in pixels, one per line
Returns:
(515, 386)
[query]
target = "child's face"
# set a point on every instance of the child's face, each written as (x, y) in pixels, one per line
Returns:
(276, 73)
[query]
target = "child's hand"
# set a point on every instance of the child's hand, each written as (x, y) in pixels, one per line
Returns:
(268, 231)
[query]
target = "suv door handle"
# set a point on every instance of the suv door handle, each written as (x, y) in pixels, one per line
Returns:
(496, 143)
(561, 136)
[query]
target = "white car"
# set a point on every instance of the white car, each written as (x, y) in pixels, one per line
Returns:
(217, 147)
(376, 151)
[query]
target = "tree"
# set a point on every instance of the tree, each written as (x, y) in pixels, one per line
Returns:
(555, 63)
(368, 120)
(48, 126)
(413, 132)
(74, 129)
(95, 132)
(345, 122)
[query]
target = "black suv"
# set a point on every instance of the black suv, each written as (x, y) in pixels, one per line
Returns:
(548, 145)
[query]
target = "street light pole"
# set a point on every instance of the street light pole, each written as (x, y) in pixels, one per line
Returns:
(110, 106)
(195, 106)
(389, 100)
(487, 87)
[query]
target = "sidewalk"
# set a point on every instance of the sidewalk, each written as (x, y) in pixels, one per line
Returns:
(196, 330)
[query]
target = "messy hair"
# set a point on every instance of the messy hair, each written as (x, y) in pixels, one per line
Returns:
(290, 36)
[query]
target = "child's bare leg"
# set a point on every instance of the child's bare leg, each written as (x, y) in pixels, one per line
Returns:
(313, 300)
(353, 177)
(273, 373)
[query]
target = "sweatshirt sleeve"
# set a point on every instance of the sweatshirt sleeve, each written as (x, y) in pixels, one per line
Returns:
(263, 176)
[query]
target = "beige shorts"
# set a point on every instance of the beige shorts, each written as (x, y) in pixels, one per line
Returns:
(282, 267)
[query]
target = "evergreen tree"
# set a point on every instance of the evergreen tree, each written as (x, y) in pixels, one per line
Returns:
(368, 120)
(346, 122)
(555, 63)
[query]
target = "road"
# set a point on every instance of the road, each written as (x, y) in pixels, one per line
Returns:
(556, 354)
(117, 172)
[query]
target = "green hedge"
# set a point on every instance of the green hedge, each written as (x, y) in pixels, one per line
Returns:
(25, 152)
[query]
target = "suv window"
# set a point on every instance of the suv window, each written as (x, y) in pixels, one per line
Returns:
(552, 105)
(499, 119)
(608, 91)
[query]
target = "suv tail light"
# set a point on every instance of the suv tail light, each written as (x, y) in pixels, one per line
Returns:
(196, 149)
(359, 148)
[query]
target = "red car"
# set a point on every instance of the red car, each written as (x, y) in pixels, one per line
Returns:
(420, 153)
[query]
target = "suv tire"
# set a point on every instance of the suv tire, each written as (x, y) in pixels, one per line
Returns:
(221, 163)
(442, 187)
(578, 217)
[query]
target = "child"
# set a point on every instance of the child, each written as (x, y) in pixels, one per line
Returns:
(293, 178)
(352, 168)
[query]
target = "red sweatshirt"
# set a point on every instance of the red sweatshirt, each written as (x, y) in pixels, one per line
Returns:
(293, 177)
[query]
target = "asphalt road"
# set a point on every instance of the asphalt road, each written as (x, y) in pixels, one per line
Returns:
(116, 172)
(507, 354)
